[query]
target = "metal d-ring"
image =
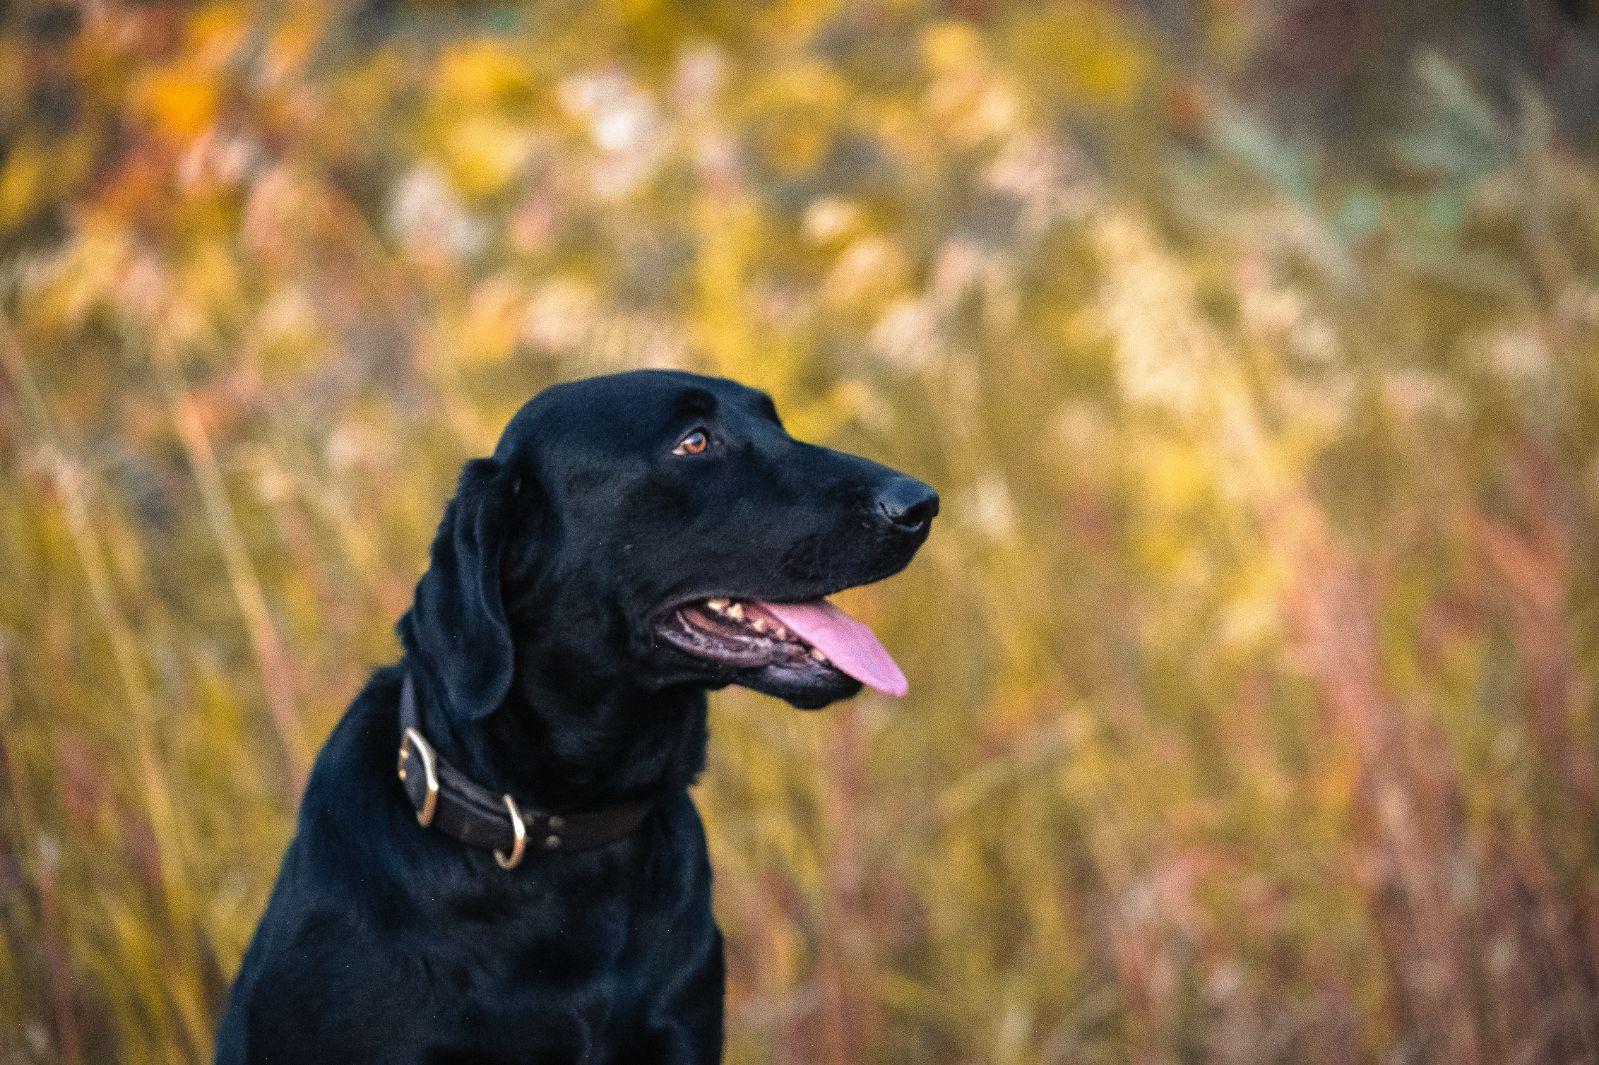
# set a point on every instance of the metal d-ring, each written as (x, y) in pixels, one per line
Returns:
(520, 846)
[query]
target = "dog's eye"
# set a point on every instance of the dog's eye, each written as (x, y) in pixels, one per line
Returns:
(694, 443)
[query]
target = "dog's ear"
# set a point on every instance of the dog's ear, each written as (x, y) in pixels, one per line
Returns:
(459, 617)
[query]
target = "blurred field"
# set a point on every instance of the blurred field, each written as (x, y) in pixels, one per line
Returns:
(1253, 663)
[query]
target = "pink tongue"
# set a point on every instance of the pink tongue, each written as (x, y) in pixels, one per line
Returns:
(849, 643)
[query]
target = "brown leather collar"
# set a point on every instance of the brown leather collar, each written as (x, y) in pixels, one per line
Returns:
(452, 802)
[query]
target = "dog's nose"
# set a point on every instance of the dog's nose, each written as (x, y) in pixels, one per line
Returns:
(907, 504)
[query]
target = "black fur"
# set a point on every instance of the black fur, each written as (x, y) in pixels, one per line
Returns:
(532, 644)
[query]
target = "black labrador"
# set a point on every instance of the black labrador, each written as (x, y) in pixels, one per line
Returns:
(634, 541)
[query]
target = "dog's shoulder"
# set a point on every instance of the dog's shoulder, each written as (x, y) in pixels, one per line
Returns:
(361, 747)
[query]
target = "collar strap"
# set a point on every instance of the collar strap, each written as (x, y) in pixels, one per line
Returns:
(446, 799)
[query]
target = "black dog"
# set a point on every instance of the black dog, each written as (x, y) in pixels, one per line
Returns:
(634, 541)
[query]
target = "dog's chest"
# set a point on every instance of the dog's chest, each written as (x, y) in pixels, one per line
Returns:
(575, 975)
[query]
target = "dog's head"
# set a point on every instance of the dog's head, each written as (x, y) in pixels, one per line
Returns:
(660, 528)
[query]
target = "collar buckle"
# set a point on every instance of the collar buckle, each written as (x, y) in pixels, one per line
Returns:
(430, 770)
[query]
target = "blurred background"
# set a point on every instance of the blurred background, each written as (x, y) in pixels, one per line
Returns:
(1253, 344)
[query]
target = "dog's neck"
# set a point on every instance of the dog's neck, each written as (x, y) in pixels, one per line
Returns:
(565, 750)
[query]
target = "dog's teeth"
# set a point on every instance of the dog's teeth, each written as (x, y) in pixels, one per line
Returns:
(780, 632)
(736, 611)
(717, 605)
(757, 624)
(816, 654)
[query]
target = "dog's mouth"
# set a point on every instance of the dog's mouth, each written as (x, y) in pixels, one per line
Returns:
(812, 639)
